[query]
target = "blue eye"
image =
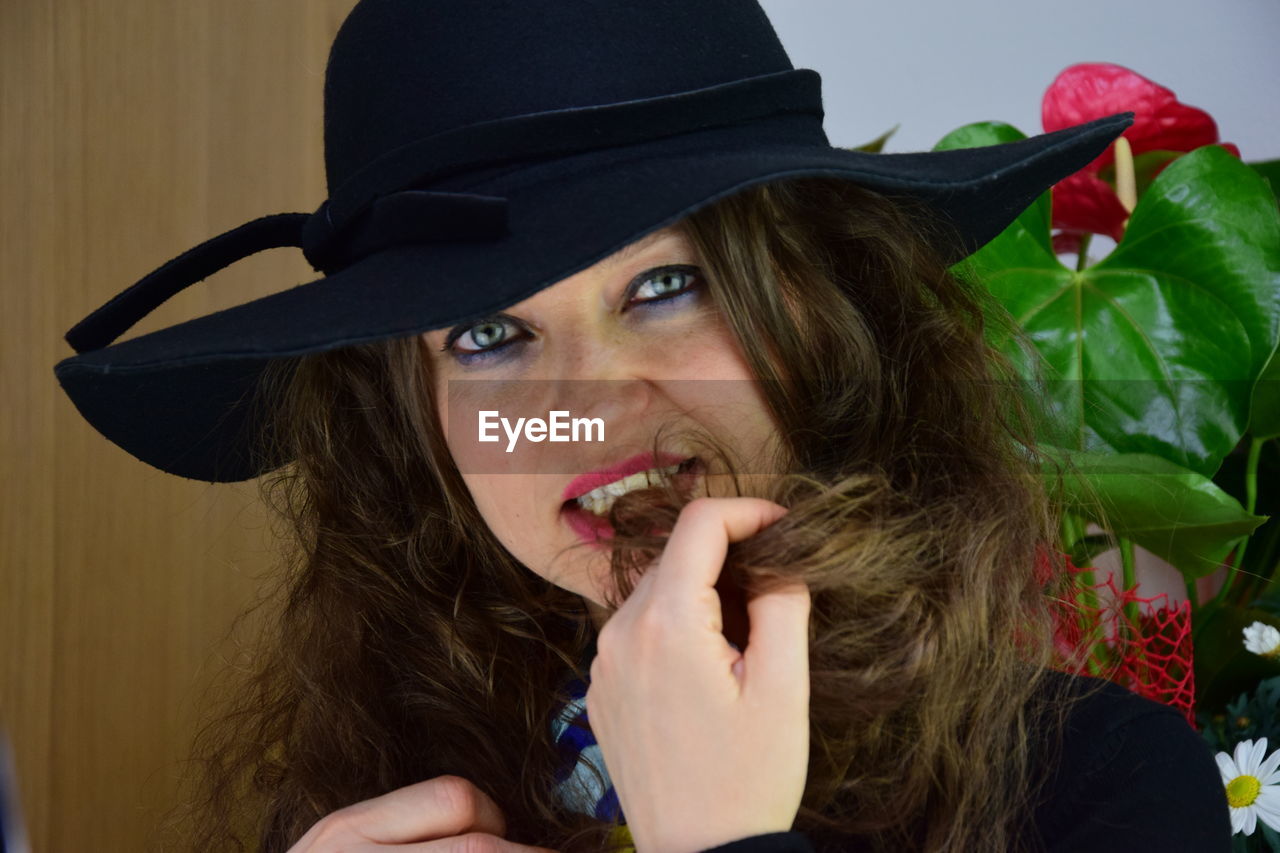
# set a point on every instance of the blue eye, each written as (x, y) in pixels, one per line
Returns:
(668, 283)
(489, 335)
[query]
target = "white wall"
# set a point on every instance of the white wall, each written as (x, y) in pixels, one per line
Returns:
(933, 66)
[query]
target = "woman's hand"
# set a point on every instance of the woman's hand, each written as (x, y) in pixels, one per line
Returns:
(447, 813)
(704, 745)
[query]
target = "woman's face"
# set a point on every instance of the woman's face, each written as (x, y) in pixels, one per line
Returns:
(629, 343)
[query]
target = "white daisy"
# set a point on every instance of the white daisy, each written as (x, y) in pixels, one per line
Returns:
(1253, 785)
(1262, 639)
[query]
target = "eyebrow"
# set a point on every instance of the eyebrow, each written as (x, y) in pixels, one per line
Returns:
(635, 248)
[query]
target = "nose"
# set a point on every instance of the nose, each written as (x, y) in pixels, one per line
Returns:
(617, 402)
(600, 376)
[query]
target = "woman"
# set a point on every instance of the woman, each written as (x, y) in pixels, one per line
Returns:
(816, 620)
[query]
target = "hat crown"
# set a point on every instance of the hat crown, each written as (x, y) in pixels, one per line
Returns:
(404, 70)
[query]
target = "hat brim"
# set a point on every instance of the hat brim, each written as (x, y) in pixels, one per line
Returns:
(177, 398)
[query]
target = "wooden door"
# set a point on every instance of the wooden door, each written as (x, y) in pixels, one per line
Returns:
(129, 132)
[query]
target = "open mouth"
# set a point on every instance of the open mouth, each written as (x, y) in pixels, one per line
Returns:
(592, 527)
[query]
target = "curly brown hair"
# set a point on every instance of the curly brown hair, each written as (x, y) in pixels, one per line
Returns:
(404, 642)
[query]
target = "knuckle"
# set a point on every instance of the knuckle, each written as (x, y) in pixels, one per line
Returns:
(706, 600)
(699, 506)
(337, 828)
(653, 623)
(458, 798)
(646, 626)
(607, 642)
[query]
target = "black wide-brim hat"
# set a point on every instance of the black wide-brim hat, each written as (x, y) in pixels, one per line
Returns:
(477, 153)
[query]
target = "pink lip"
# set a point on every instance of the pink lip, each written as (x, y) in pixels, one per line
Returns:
(589, 527)
(640, 462)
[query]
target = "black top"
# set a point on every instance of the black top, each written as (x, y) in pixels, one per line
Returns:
(1133, 775)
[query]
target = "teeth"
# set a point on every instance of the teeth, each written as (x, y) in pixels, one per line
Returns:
(599, 500)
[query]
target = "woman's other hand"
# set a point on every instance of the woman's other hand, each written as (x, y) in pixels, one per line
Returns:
(704, 745)
(447, 813)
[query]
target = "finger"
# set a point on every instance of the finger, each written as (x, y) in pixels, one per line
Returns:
(694, 555)
(777, 655)
(437, 808)
(472, 841)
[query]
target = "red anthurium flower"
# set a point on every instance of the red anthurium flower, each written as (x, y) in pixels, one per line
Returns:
(1084, 202)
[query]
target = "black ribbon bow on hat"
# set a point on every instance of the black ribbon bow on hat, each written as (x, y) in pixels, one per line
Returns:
(408, 216)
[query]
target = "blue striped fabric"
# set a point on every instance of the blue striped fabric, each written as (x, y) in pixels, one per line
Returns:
(577, 787)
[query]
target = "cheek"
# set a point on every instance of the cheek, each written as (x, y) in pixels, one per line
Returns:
(509, 509)
(714, 361)
(726, 397)
(470, 416)
(707, 350)
(504, 503)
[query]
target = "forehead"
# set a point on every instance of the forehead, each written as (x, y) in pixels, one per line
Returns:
(670, 238)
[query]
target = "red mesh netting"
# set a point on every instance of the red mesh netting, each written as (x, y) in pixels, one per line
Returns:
(1152, 655)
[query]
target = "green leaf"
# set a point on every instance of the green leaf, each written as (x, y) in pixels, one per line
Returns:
(1264, 410)
(1198, 273)
(1270, 171)
(1027, 241)
(876, 145)
(1208, 222)
(1176, 514)
(978, 134)
(1257, 568)
(1156, 348)
(1270, 836)
(1267, 565)
(1087, 548)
